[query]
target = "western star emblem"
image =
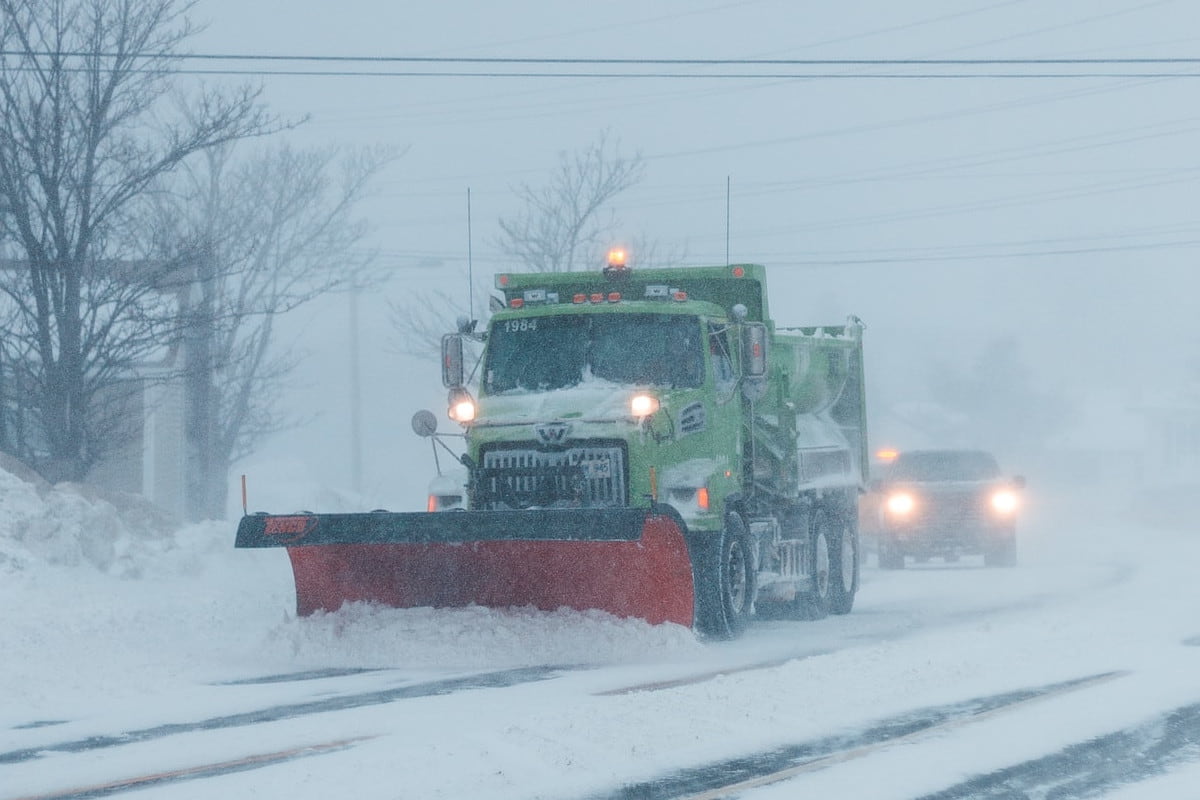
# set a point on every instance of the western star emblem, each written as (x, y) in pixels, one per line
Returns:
(552, 432)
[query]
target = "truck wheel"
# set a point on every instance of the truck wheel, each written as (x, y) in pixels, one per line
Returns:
(726, 584)
(844, 565)
(890, 556)
(1002, 552)
(815, 603)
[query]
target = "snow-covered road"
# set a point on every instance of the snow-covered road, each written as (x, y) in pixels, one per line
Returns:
(189, 677)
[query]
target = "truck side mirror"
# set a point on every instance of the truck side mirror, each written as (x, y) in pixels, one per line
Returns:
(754, 349)
(452, 360)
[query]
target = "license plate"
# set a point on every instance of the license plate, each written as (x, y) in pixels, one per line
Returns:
(596, 470)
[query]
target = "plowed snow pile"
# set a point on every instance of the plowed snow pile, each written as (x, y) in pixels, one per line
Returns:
(70, 526)
(106, 600)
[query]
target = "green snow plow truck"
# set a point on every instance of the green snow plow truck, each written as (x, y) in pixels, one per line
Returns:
(647, 442)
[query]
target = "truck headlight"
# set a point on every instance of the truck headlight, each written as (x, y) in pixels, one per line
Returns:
(462, 406)
(901, 503)
(1004, 501)
(643, 405)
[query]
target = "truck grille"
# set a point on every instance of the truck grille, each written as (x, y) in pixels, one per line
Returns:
(575, 477)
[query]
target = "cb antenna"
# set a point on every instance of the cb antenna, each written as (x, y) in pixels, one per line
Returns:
(470, 263)
(728, 180)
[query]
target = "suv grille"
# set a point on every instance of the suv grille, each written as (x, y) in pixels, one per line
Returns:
(576, 477)
(953, 511)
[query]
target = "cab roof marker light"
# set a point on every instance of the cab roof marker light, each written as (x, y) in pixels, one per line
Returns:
(616, 268)
(739, 272)
(501, 281)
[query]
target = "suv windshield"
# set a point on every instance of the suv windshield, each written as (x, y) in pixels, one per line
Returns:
(544, 353)
(944, 465)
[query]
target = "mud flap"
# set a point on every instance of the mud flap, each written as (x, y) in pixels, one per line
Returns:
(629, 562)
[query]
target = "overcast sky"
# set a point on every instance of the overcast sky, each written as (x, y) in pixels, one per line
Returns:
(947, 212)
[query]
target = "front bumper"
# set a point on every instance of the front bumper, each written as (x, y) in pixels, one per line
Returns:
(935, 536)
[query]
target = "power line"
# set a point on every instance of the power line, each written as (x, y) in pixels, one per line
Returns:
(682, 75)
(1188, 244)
(986, 251)
(720, 62)
(802, 68)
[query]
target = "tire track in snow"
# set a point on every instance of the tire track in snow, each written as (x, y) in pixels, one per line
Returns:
(307, 675)
(725, 778)
(487, 680)
(192, 773)
(688, 680)
(1095, 766)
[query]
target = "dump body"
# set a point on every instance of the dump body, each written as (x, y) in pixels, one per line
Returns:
(646, 442)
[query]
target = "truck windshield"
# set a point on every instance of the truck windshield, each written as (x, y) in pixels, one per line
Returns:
(545, 353)
(944, 465)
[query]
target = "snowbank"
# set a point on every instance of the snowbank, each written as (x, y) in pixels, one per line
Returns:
(69, 525)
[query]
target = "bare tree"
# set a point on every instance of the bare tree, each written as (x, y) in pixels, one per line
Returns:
(80, 142)
(267, 234)
(566, 219)
(563, 219)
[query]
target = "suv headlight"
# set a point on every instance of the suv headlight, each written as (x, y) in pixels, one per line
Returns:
(1004, 501)
(901, 503)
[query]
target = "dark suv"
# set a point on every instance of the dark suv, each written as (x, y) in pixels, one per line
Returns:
(946, 503)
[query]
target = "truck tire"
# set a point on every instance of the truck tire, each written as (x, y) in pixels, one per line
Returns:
(844, 567)
(726, 583)
(816, 602)
(890, 555)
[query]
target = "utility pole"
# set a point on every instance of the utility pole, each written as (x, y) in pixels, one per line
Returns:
(201, 410)
(356, 476)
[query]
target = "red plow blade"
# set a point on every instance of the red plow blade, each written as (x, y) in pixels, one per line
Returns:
(629, 562)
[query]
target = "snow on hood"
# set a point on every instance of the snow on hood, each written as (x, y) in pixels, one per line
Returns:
(593, 399)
